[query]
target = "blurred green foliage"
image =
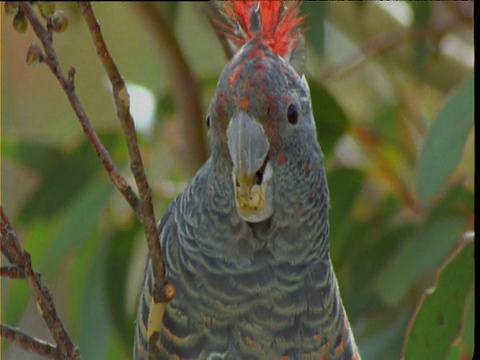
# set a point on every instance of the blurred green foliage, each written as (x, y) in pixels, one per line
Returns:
(394, 113)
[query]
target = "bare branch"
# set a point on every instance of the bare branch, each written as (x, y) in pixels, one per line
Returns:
(10, 245)
(370, 141)
(122, 101)
(185, 88)
(29, 343)
(391, 41)
(42, 294)
(67, 84)
(12, 272)
(216, 20)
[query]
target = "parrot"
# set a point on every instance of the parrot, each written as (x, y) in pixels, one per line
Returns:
(246, 244)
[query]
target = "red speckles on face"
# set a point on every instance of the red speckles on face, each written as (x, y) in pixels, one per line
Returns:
(235, 74)
(282, 159)
(244, 103)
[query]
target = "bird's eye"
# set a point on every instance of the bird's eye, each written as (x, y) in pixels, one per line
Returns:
(208, 121)
(292, 114)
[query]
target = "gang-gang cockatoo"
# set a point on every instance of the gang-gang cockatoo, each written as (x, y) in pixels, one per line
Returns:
(246, 245)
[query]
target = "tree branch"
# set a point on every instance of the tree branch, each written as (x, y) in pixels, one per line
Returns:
(184, 85)
(29, 343)
(12, 272)
(370, 141)
(217, 21)
(162, 290)
(67, 84)
(67, 349)
(344, 14)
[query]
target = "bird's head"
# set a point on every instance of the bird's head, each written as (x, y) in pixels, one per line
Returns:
(260, 116)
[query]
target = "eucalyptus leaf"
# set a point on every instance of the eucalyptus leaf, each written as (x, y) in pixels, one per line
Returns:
(437, 322)
(443, 146)
(418, 258)
(119, 251)
(331, 120)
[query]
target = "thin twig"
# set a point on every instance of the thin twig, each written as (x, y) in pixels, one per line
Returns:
(385, 43)
(67, 84)
(215, 18)
(185, 87)
(42, 294)
(369, 140)
(12, 272)
(162, 290)
(29, 343)
(9, 245)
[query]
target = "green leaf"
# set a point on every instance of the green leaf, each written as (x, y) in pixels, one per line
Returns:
(444, 143)
(79, 220)
(386, 342)
(14, 302)
(371, 258)
(63, 181)
(36, 156)
(344, 186)
(49, 245)
(95, 323)
(316, 12)
(79, 277)
(417, 259)
(117, 266)
(458, 201)
(468, 336)
(421, 13)
(329, 116)
(436, 324)
(385, 122)
(455, 353)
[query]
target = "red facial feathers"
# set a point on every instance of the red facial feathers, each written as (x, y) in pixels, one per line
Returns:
(269, 21)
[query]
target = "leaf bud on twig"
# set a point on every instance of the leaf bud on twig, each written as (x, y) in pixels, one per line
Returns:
(59, 21)
(20, 22)
(47, 8)
(11, 8)
(34, 55)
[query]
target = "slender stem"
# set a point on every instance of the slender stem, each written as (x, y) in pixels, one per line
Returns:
(370, 142)
(384, 43)
(42, 294)
(67, 84)
(217, 22)
(12, 272)
(122, 101)
(29, 343)
(185, 88)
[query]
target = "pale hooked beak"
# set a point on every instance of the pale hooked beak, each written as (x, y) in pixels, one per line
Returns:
(252, 172)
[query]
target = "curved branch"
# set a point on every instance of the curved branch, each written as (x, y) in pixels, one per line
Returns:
(344, 14)
(29, 343)
(369, 140)
(12, 272)
(216, 19)
(66, 347)
(122, 101)
(67, 84)
(185, 87)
